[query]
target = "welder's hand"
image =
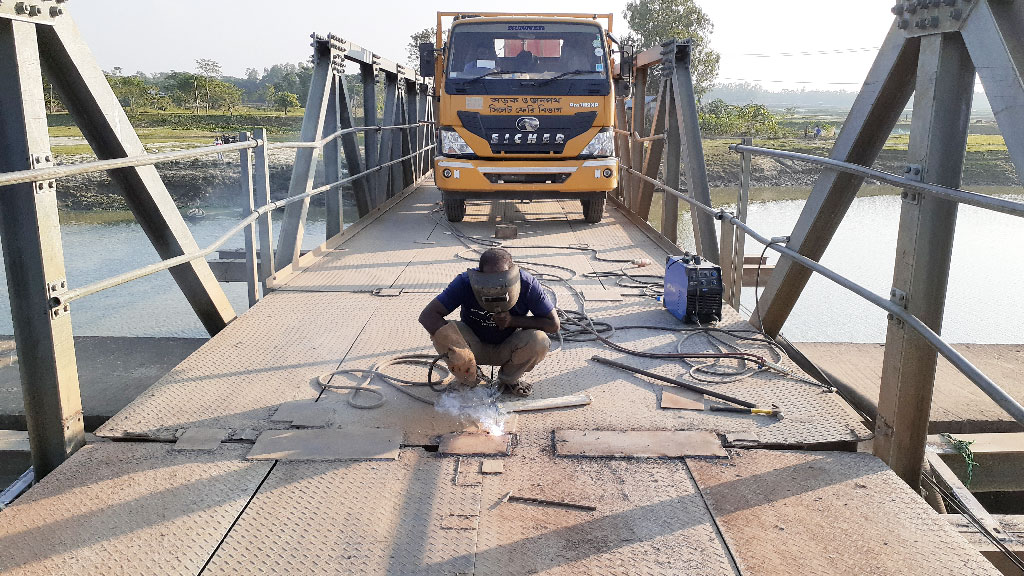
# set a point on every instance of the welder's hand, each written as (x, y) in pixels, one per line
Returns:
(502, 319)
(462, 365)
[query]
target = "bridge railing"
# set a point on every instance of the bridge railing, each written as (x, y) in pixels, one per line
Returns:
(246, 146)
(732, 261)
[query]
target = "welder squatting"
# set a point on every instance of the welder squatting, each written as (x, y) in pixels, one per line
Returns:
(505, 317)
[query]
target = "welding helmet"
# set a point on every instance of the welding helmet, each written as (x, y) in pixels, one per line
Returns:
(496, 291)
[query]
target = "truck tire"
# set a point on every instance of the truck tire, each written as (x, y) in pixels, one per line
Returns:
(593, 209)
(454, 210)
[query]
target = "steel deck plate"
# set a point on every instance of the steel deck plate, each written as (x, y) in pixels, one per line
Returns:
(828, 513)
(238, 379)
(128, 508)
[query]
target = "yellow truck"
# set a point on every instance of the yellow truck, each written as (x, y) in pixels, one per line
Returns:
(525, 106)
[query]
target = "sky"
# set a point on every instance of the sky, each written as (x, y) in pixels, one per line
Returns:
(751, 35)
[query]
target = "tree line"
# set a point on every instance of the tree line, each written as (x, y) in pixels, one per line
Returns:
(206, 89)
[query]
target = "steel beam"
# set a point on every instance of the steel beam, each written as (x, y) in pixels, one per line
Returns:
(387, 137)
(395, 178)
(304, 169)
(994, 34)
(878, 106)
(655, 150)
(332, 162)
(622, 141)
(636, 159)
(34, 258)
(693, 150)
(423, 131)
(669, 202)
(938, 142)
(84, 90)
(739, 245)
(260, 199)
(353, 157)
(371, 142)
(252, 290)
(409, 135)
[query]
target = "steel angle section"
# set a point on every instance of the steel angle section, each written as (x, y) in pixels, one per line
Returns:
(917, 18)
(358, 54)
(35, 12)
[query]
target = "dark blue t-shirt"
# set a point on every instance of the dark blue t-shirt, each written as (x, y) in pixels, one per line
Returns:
(459, 294)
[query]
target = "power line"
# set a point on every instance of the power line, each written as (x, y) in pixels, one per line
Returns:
(805, 53)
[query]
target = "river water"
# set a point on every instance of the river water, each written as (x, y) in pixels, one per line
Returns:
(985, 302)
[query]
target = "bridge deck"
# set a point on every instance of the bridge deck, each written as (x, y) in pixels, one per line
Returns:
(139, 505)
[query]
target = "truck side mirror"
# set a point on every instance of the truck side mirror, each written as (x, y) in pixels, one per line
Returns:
(427, 59)
(626, 63)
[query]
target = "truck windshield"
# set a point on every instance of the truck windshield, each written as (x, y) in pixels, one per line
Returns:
(519, 50)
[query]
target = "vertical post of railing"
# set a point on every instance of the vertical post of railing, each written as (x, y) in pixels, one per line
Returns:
(726, 237)
(34, 258)
(252, 290)
(742, 201)
(636, 160)
(262, 198)
(621, 140)
(371, 138)
(669, 202)
(332, 162)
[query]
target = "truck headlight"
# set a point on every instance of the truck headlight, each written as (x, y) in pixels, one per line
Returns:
(452, 144)
(603, 144)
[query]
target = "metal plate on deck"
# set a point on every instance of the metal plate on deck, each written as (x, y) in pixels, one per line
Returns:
(298, 445)
(268, 356)
(354, 518)
(638, 444)
(828, 513)
(128, 508)
(649, 518)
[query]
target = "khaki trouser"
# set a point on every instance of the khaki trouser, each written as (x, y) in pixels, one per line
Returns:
(517, 355)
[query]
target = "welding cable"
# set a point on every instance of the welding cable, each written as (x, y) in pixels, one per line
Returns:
(400, 384)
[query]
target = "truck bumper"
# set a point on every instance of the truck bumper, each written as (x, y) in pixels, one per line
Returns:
(461, 178)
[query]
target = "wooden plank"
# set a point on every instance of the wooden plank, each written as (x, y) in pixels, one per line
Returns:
(681, 399)
(201, 439)
(13, 441)
(469, 444)
(327, 445)
(750, 276)
(647, 443)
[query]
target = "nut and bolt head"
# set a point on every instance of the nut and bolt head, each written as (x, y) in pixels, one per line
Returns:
(903, 24)
(956, 13)
(56, 11)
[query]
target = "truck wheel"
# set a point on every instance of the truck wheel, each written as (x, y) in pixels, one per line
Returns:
(593, 209)
(454, 210)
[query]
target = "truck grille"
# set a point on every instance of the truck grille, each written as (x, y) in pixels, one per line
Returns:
(527, 178)
(550, 137)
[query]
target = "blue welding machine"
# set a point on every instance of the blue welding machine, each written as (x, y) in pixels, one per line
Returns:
(693, 288)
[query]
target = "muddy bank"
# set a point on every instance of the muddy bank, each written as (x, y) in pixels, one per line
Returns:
(206, 182)
(987, 168)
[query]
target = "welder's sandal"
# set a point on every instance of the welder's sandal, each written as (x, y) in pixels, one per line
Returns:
(520, 388)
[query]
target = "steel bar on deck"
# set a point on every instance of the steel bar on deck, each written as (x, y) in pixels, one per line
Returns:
(91, 102)
(261, 199)
(78, 293)
(990, 388)
(877, 108)
(924, 249)
(34, 259)
(335, 218)
(252, 290)
(985, 201)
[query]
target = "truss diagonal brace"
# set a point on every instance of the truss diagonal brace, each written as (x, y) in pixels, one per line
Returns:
(97, 112)
(878, 106)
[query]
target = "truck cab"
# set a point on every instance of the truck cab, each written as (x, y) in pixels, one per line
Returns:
(525, 105)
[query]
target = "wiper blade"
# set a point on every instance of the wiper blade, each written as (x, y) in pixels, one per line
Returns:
(563, 75)
(493, 73)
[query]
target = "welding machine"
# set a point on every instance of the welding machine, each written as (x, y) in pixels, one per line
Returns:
(693, 288)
